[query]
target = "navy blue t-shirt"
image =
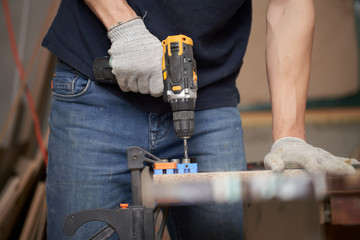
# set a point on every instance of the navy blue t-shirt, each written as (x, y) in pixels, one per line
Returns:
(219, 30)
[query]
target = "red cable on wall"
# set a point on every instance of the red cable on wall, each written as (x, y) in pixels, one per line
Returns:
(20, 68)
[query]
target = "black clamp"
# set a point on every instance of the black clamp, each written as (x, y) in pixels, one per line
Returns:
(136, 222)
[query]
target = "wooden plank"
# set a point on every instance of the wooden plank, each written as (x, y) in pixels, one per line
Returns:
(7, 194)
(335, 183)
(41, 231)
(198, 177)
(225, 187)
(32, 221)
(195, 177)
(344, 184)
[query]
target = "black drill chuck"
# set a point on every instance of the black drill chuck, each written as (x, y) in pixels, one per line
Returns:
(184, 123)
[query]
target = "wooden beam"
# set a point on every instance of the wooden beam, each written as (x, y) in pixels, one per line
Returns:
(196, 177)
(224, 187)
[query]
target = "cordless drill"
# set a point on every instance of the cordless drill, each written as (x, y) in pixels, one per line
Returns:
(180, 84)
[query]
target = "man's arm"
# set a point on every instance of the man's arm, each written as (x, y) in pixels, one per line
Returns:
(110, 12)
(290, 27)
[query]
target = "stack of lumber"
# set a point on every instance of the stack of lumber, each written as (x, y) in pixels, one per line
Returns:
(22, 168)
(15, 197)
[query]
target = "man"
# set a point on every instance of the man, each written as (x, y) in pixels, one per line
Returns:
(92, 125)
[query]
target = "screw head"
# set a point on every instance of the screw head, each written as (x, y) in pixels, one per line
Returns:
(134, 157)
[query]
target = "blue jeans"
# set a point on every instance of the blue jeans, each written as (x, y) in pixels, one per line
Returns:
(91, 129)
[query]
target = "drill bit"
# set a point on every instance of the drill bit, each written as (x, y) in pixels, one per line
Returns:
(186, 156)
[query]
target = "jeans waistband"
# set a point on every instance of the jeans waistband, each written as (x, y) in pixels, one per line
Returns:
(63, 66)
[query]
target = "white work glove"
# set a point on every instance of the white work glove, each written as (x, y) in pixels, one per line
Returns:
(292, 152)
(136, 58)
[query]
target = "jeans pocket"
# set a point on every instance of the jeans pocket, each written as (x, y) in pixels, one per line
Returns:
(67, 85)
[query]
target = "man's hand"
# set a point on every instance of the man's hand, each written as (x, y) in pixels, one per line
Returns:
(291, 152)
(136, 54)
(136, 57)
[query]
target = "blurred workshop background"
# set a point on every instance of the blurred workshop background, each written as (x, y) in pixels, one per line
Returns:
(332, 123)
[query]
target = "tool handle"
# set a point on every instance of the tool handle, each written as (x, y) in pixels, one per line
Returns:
(103, 71)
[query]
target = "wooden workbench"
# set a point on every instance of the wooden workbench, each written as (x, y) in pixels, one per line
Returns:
(296, 219)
